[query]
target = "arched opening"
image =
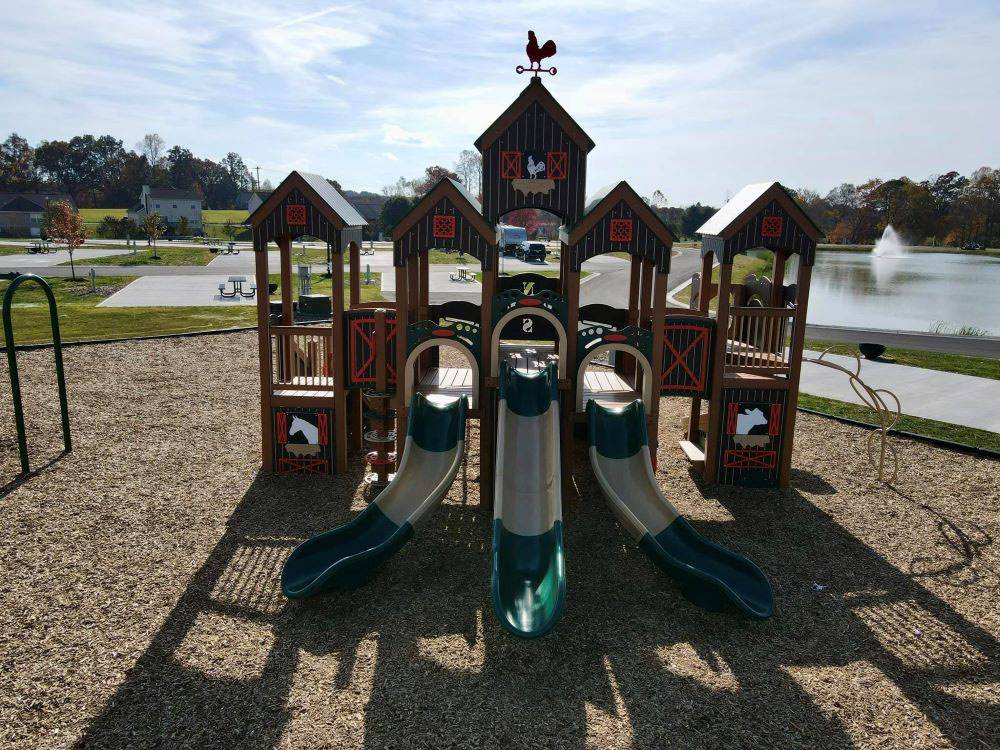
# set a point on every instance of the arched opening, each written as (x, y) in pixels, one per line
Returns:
(528, 241)
(520, 350)
(444, 383)
(609, 388)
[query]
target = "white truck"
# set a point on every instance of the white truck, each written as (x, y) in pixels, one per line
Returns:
(511, 238)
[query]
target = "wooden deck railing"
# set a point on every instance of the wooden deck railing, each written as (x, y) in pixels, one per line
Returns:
(301, 357)
(757, 339)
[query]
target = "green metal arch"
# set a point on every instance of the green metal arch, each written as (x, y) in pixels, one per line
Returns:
(16, 280)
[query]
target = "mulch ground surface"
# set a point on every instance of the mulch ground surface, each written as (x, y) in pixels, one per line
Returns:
(140, 603)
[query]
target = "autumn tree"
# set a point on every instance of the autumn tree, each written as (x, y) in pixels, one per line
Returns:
(432, 176)
(66, 226)
(153, 226)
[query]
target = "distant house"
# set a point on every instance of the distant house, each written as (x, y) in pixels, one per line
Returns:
(252, 199)
(170, 204)
(21, 213)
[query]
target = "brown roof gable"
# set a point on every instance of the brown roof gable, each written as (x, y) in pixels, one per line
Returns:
(748, 202)
(535, 91)
(330, 203)
(620, 192)
(464, 202)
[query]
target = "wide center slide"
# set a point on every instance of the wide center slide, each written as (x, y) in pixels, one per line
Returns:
(709, 575)
(528, 587)
(345, 556)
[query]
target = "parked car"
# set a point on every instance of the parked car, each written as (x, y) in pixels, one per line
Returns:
(531, 251)
(973, 246)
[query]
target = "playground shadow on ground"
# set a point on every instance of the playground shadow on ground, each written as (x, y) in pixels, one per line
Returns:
(416, 658)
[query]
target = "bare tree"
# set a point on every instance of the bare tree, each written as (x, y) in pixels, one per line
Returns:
(154, 230)
(153, 147)
(469, 169)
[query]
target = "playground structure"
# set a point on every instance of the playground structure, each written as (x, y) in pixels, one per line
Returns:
(535, 362)
(16, 280)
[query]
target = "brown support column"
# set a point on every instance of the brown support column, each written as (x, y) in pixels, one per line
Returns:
(487, 438)
(718, 369)
(794, 371)
(285, 252)
(264, 354)
(402, 321)
(659, 313)
(645, 291)
(704, 292)
(355, 271)
(339, 387)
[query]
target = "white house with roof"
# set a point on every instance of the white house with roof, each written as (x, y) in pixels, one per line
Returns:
(170, 204)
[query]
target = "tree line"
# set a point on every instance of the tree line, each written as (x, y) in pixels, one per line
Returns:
(100, 172)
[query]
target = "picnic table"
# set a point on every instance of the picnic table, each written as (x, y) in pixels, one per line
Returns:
(462, 275)
(40, 246)
(238, 282)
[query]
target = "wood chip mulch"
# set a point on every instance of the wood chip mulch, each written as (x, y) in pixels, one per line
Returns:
(140, 604)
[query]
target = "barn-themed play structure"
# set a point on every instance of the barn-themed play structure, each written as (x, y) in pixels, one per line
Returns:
(540, 370)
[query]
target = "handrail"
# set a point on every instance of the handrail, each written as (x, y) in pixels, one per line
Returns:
(16, 279)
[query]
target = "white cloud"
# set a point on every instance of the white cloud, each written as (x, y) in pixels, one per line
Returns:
(696, 99)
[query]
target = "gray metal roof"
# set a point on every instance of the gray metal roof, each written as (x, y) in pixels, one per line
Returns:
(174, 194)
(734, 207)
(340, 205)
(38, 199)
(465, 194)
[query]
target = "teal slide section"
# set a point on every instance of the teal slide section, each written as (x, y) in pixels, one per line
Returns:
(708, 574)
(528, 585)
(344, 557)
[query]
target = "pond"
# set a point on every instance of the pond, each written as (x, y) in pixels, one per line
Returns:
(907, 292)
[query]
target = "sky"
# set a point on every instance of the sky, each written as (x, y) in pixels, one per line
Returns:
(695, 99)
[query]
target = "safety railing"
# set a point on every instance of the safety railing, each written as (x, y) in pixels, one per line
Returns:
(302, 357)
(756, 339)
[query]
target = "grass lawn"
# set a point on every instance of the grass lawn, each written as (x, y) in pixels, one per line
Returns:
(94, 215)
(80, 319)
(221, 216)
(917, 425)
(167, 256)
(322, 284)
(13, 249)
(982, 367)
(743, 265)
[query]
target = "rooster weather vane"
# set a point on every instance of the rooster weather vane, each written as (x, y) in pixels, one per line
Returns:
(536, 54)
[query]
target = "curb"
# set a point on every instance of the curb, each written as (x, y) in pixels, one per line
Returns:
(939, 442)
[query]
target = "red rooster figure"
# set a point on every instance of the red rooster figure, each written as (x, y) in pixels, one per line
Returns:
(536, 54)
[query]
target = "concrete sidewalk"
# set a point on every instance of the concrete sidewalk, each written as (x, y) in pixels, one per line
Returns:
(931, 394)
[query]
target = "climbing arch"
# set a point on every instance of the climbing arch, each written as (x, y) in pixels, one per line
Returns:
(524, 311)
(459, 346)
(640, 357)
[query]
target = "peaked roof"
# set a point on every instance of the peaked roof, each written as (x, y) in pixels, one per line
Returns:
(174, 194)
(605, 199)
(325, 196)
(463, 200)
(743, 206)
(535, 91)
(30, 201)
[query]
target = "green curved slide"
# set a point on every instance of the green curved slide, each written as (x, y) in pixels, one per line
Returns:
(709, 575)
(528, 586)
(344, 557)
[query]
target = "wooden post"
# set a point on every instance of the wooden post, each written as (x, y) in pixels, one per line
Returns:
(704, 299)
(487, 444)
(794, 371)
(659, 313)
(264, 354)
(355, 272)
(402, 322)
(645, 291)
(339, 386)
(718, 369)
(285, 252)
